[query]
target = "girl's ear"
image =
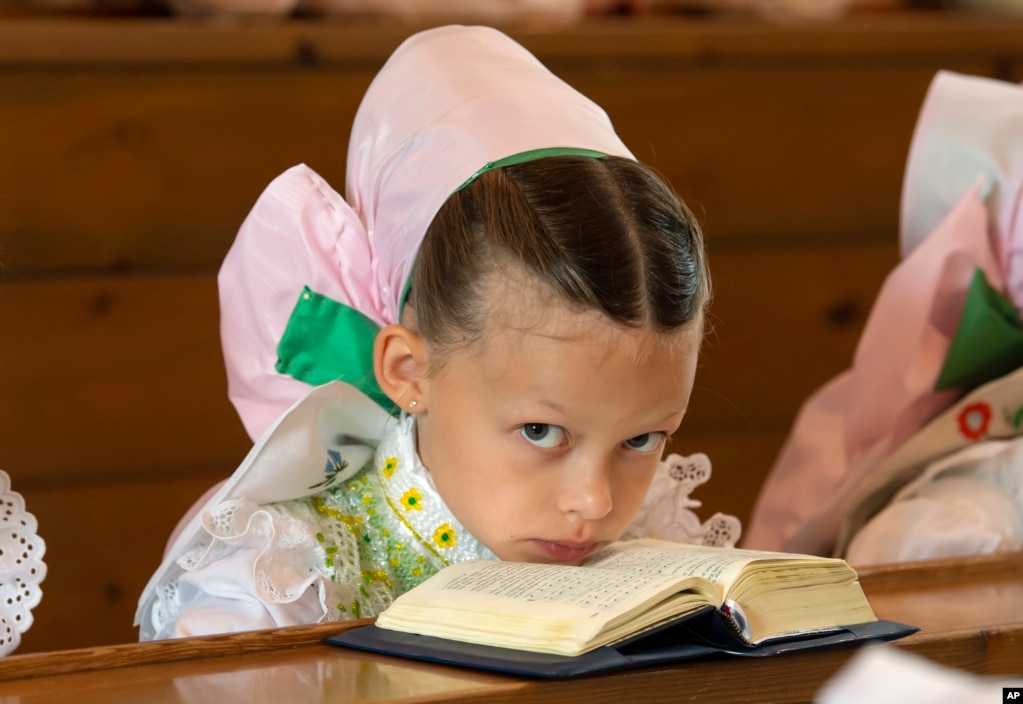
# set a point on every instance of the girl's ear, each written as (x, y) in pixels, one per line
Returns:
(399, 362)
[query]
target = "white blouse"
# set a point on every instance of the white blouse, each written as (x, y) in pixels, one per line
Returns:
(967, 503)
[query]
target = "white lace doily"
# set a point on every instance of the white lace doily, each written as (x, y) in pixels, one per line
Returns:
(21, 566)
(666, 513)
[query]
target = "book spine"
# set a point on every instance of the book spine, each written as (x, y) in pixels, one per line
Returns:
(736, 618)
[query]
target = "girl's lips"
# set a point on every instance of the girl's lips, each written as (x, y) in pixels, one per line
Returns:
(566, 552)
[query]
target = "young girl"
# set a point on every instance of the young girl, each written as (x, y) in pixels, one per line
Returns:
(501, 325)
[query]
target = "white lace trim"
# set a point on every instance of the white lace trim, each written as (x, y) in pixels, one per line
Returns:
(285, 544)
(21, 566)
(666, 513)
(289, 557)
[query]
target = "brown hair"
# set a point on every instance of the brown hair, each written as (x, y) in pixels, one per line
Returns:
(604, 234)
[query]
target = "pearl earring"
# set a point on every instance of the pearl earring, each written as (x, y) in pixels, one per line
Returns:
(411, 404)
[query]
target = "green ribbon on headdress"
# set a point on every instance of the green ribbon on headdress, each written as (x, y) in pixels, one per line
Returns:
(988, 343)
(326, 340)
(531, 155)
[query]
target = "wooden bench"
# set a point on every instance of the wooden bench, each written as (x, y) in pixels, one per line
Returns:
(293, 664)
(131, 150)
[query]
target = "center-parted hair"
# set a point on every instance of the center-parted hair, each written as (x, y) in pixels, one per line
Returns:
(604, 234)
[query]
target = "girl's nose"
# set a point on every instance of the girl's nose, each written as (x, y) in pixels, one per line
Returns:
(587, 494)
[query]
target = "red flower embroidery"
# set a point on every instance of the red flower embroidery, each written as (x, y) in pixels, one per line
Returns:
(974, 420)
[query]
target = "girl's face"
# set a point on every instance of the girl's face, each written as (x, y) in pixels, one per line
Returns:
(544, 439)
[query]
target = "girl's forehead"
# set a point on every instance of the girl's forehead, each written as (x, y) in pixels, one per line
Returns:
(540, 323)
(519, 305)
(577, 362)
(519, 302)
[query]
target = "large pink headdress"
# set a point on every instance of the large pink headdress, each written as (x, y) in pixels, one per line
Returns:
(311, 276)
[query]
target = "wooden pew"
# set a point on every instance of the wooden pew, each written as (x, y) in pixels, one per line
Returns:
(292, 664)
(132, 150)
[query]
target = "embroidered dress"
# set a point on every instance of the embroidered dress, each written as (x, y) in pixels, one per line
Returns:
(349, 550)
(385, 530)
(342, 553)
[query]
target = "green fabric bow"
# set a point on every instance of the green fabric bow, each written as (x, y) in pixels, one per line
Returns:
(328, 341)
(988, 343)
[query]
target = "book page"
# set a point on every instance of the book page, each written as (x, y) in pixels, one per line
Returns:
(624, 588)
(768, 594)
(593, 590)
(721, 566)
(548, 608)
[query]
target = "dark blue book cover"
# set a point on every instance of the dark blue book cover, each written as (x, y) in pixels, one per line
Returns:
(702, 634)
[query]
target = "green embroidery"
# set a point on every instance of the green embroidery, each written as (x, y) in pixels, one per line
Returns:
(388, 558)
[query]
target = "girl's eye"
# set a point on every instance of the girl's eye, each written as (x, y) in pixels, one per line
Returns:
(543, 434)
(647, 442)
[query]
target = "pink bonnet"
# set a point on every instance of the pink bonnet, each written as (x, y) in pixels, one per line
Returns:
(970, 132)
(446, 105)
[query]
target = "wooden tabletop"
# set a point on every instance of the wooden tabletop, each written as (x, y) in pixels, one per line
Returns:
(970, 612)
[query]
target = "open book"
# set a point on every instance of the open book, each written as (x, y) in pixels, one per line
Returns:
(711, 598)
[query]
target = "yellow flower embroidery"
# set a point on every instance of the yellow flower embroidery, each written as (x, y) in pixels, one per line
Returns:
(412, 500)
(445, 536)
(351, 522)
(378, 576)
(390, 464)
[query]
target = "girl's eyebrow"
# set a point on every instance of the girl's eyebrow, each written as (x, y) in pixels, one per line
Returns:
(677, 412)
(553, 405)
(558, 408)
(671, 415)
